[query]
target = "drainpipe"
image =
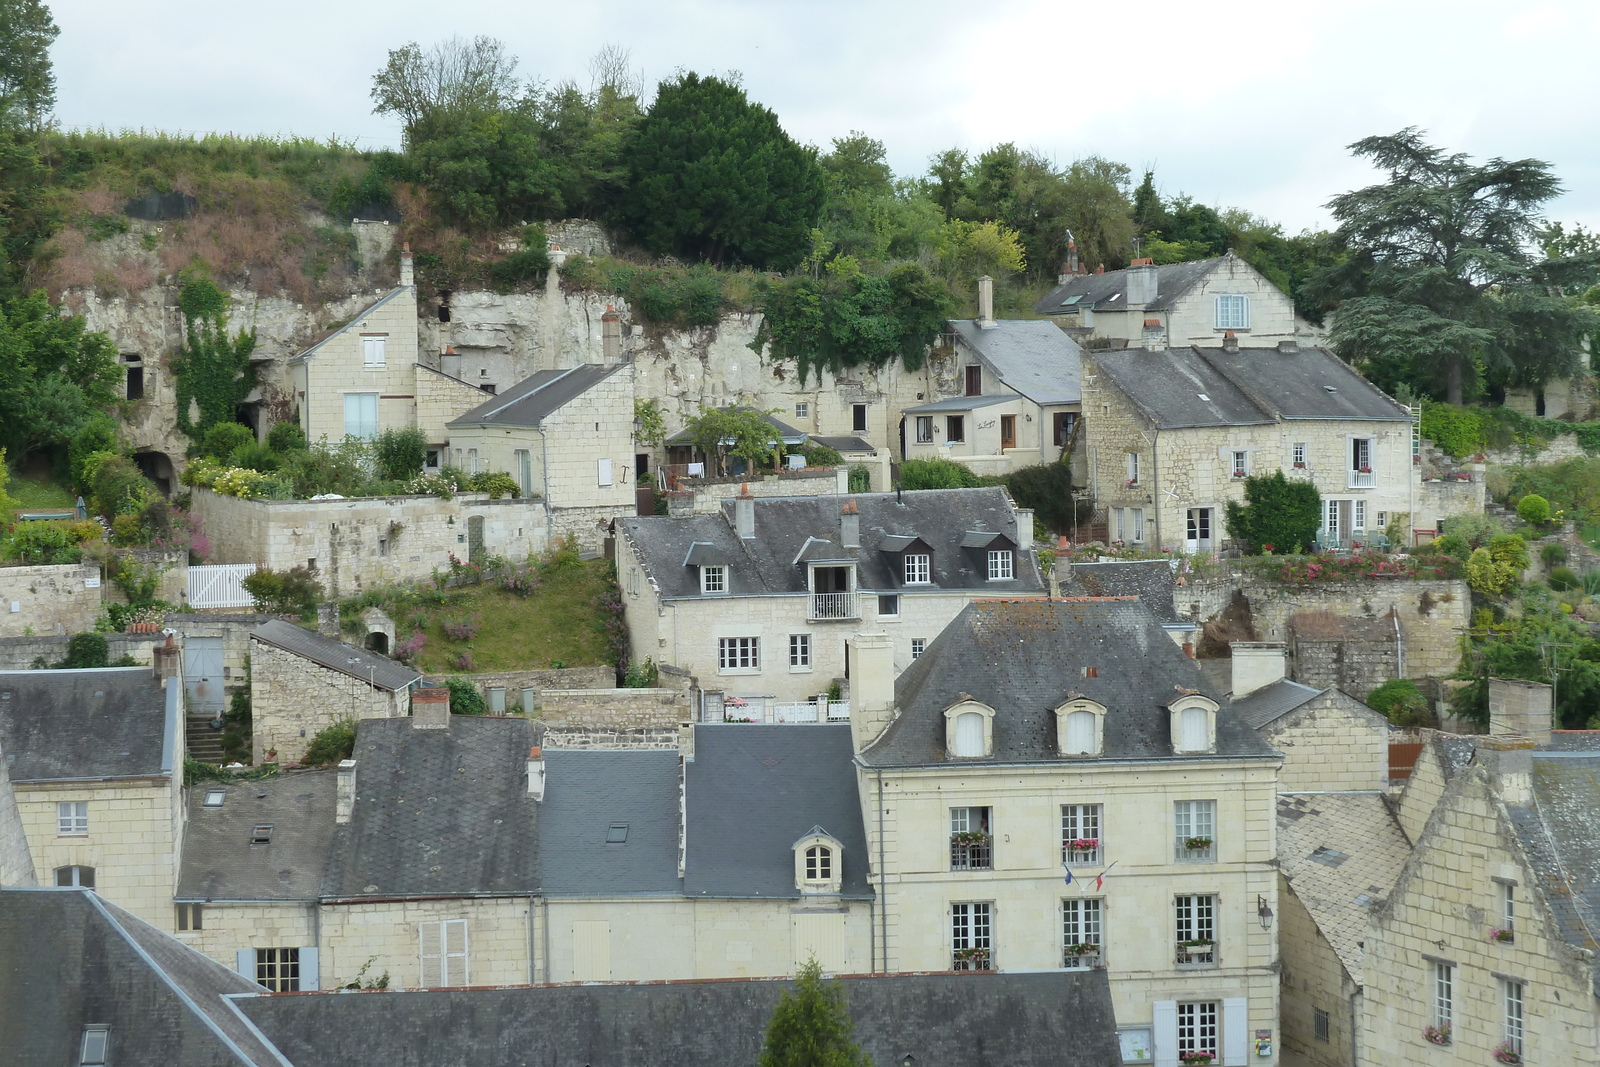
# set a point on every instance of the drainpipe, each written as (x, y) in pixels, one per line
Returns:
(883, 920)
(1155, 481)
(533, 960)
(547, 939)
(1355, 1048)
(544, 454)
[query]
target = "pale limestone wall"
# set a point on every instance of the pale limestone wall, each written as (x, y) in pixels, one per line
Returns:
(1331, 744)
(1027, 887)
(1422, 792)
(18, 653)
(292, 698)
(1443, 907)
(1193, 320)
(132, 843)
(981, 450)
(611, 737)
(16, 862)
(1312, 979)
(233, 629)
(620, 708)
(500, 937)
(352, 542)
(49, 600)
(673, 938)
(228, 927)
(1355, 665)
(1561, 447)
(557, 678)
(336, 368)
(1441, 500)
(441, 398)
(709, 493)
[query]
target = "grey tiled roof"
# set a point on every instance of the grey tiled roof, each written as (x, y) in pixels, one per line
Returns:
(220, 863)
(1273, 701)
(959, 403)
(1175, 388)
(1109, 291)
(1050, 1019)
(1151, 580)
(765, 564)
(1026, 658)
(753, 791)
(1558, 834)
(438, 812)
(1032, 356)
(1341, 853)
(587, 793)
(532, 400)
(69, 958)
(379, 671)
(846, 445)
(110, 722)
(788, 434)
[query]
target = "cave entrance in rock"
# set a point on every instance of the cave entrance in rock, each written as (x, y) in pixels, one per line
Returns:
(378, 642)
(157, 466)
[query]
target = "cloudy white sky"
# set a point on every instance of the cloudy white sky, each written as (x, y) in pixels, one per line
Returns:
(1245, 103)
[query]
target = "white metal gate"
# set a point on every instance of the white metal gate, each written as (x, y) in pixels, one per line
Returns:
(220, 586)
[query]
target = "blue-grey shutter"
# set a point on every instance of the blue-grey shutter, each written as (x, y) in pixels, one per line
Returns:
(308, 969)
(244, 961)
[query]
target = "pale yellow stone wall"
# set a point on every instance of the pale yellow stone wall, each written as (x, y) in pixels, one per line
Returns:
(981, 447)
(292, 698)
(135, 833)
(1027, 887)
(500, 939)
(1192, 320)
(48, 600)
(225, 928)
(1331, 744)
(1442, 908)
(1312, 979)
(1420, 795)
(441, 398)
(336, 368)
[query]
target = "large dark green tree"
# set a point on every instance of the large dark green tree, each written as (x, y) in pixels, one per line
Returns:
(713, 176)
(811, 1026)
(55, 376)
(1445, 284)
(27, 80)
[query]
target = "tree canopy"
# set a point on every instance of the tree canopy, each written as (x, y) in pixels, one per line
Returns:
(55, 375)
(810, 1027)
(27, 79)
(1278, 513)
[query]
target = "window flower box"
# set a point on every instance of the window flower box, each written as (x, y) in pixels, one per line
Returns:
(1197, 844)
(1197, 951)
(1083, 844)
(1437, 1035)
(971, 959)
(1505, 934)
(1299, 466)
(1363, 470)
(969, 838)
(1505, 1052)
(1197, 1059)
(1083, 948)
(1131, 483)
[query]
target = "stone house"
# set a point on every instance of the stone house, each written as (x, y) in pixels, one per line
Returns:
(1174, 433)
(1016, 401)
(1054, 785)
(302, 682)
(566, 437)
(1178, 304)
(94, 760)
(758, 602)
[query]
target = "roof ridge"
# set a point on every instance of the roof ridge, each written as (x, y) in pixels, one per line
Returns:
(513, 397)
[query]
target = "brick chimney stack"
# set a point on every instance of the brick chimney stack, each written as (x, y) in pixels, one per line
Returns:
(611, 336)
(850, 525)
(430, 709)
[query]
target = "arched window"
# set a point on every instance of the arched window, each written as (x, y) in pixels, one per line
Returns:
(819, 864)
(1195, 730)
(969, 735)
(1081, 733)
(79, 876)
(817, 858)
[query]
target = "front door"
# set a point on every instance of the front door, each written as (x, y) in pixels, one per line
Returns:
(1008, 431)
(475, 539)
(1197, 533)
(202, 673)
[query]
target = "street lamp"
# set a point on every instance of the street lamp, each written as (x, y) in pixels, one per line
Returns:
(1263, 912)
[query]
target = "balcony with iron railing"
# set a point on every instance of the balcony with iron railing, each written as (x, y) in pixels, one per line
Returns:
(1199, 952)
(971, 850)
(828, 606)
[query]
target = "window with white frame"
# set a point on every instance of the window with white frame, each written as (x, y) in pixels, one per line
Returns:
(372, 351)
(1081, 943)
(714, 579)
(971, 840)
(819, 863)
(1081, 840)
(72, 818)
(1300, 454)
(1358, 514)
(971, 936)
(1383, 520)
(1195, 924)
(278, 969)
(1239, 463)
(924, 429)
(1443, 997)
(1194, 730)
(919, 645)
(918, 568)
(1511, 995)
(1136, 519)
(1508, 906)
(967, 736)
(888, 606)
(1117, 524)
(1082, 735)
(800, 650)
(82, 877)
(1194, 827)
(444, 953)
(1197, 1028)
(1000, 565)
(802, 410)
(1132, 462)
(361, 415)
(1362, 474)
(1233, 312)
(738, 653)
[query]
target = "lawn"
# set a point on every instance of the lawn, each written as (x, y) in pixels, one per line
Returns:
(38, 493)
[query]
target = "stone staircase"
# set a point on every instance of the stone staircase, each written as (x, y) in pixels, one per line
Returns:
(204, 743)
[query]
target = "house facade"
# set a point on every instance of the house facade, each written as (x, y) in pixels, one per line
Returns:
(1174, 433)
(1053, 785)
(759, 601)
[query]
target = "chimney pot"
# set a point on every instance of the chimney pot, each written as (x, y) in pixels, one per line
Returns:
(1230, 341)
(849, 525)
(406, 275)
(744, 514)
(328, 620)
(346, 797)
(611, 335)
(536, 773)
(1288, 348)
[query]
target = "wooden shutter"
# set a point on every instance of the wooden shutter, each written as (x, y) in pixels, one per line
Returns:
(1165, 1016)
(1235, 1032)
(244, 961)
(308, 969)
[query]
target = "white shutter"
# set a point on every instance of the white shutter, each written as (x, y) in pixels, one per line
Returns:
(605, 471)
(1165, 1017)
(308, 969)
(1080, 733)
(1235, 1032)
(1193, 723)
(244, 961)
(969, 734)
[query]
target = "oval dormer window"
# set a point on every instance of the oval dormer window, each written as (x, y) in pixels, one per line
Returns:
(969, 735)
(1080, 733)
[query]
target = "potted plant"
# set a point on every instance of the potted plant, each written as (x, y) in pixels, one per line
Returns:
(1364, 470)
(1196, 950)
(1506, 1052)
(1437, 1035)
(1197, 1058)
(1196, 844)
(1083, 948)
(969, 838)
(1299, 466)
(976, 959)
(1083, 844)
(1502, 934)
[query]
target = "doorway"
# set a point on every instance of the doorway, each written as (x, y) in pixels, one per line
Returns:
(1008, 432)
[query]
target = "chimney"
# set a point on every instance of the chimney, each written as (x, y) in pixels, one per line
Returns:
(1101, 269)
(1513, 772)
(1072, 267)
(686, 739)
(165, 660)
(871, 687)
(849, 525)
(744, 514)
(1288, 348)
(450, 362)
(430, 709)
(346, 804)
(536, 773)
(1060, 567)
(1230, 341)
(1155, 335)
(611, 336)
(406, 276)
(1141, 283)
(1520, 709)
(1024, 529)
(985, 303)
(328, 620)
(1256, 664)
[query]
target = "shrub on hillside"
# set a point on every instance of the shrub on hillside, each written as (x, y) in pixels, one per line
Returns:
(332, 744)
(936, 474)
(400, 454)
(222, 439)
(1533, 509)
(1401, 701)
(496, 483)
(291, 592)
(1456, 431)
(1276, 512)
(1563, 579)
(119, 488)
(464, 697)
(286, 437)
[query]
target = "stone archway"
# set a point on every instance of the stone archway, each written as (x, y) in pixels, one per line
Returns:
(157, 466)
(378, 641)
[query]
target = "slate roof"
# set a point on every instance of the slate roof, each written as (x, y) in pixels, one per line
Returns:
(765, 565)
(220, 863)
(788, 434)
(438, 812)
(1558, 835)
(1178, 388)
(1152, 581)
(1032, 356)
(1048, 1019)
(589, 792)
(1273, 701)
(354, 323)
(959, 403)
(1026, 658)
(532, 400)
(1109, 291)
(754, 790)
(379, 671)
(69, 958)
(847, 445)
(1341, 853)
(109, 722)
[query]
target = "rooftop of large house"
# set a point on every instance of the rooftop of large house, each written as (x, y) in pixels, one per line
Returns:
(532, 400)
(1109, 291)
(378, 671)
(1032, 356)
(98, 723)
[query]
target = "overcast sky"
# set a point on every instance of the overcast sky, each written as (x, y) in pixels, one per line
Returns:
(1247, 103)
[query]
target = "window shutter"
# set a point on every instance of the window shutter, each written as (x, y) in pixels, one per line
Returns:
(605, 471)
(1235, 1032)
(1165, 1020)
(244, 961)
(308, 969)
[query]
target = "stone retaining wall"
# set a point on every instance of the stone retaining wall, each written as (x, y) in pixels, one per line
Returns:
(555, 678)
(18, 653)
(615, 708)
(598, 737)
(49, 600)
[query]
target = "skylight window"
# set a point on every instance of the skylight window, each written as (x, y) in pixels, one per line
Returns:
(95, 1040)
(215, 797)
(1203, 396)
(617, 834)
(1331, 857)
(261, 834)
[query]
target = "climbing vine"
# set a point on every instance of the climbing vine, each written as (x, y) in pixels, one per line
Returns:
(213, 371)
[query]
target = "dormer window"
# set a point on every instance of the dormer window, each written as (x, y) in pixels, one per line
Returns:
(713, 580)
(1000, 565)
(819, 863)
(969, 730)
(918, 568)
(1080, 728)
(817, 858)
(1194, 725)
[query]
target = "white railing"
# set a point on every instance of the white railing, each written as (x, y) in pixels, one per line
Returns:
(810, 711)
(1363, 479)
(220, 586)
(835, 606)
(764, 709)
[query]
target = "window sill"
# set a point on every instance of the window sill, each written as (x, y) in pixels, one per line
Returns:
(800, 670)
(725, 671)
